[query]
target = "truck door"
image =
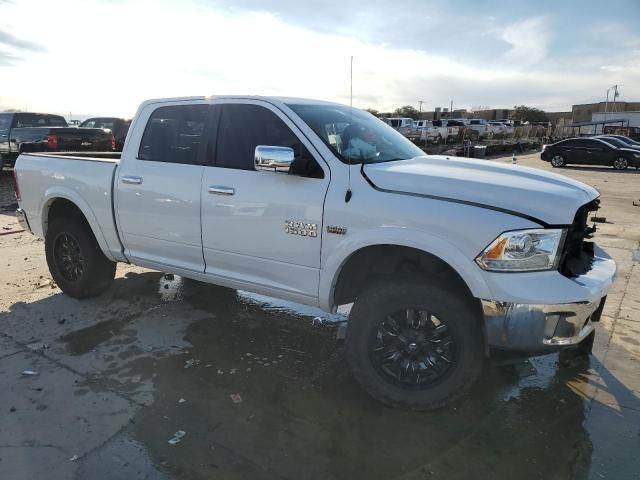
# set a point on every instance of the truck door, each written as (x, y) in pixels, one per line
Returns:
(262, 230)
(158, 187)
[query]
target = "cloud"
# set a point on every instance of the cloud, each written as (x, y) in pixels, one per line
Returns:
(612, 68)
(13, 42)
(7, 58)
(223, 50)
(528, 40)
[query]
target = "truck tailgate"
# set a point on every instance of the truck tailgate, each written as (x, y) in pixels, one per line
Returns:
(82, 139)
(87, 182)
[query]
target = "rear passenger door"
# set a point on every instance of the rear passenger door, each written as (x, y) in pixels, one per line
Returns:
(570, 150)
(262, 230)
(158, 187)
(596, 153)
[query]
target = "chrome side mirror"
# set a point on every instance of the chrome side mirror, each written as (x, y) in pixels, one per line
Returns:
(273, 159)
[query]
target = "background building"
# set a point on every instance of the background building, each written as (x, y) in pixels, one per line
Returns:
(584, 112)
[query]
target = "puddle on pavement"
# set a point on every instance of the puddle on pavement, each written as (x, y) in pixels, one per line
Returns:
(301, 410)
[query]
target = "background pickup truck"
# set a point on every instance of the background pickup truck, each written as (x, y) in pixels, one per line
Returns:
(117, 126)
(404, 125)
(39, 132)
(445, 260)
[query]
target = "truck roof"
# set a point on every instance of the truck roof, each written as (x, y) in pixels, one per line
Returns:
(274, 99)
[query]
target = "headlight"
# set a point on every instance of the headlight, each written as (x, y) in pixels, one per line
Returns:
(522, 251)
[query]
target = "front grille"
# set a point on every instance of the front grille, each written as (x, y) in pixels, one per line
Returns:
(577, 254)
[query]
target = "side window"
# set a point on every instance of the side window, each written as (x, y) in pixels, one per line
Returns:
(243, 127)
(5, 119)
(173, 134)
(54, 121)
(89, 124)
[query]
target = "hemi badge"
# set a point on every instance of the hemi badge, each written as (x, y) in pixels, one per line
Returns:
(336, 230)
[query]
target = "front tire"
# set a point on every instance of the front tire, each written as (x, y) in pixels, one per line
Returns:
(75, 259)
(558, 161)
(620, 163)
(413, 344)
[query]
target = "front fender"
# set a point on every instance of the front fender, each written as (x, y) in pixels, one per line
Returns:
(404, 237)
(57, 191)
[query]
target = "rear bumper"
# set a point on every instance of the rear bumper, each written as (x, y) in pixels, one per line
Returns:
(21, 215)
(539, 328)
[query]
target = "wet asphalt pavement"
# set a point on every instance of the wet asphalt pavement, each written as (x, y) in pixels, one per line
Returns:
(261, 390)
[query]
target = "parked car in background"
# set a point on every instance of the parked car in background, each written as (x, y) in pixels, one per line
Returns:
(117, 126)
(73, 123)
(425, 130)
(465, 258)
(448, 129)
(404, 125)
(621, 138)
(498, 127)
(479, 125)
(591, 151)
(41, 132)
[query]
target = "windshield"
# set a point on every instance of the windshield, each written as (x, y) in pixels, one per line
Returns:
(356, 136)
(614, 141)
(622, 142)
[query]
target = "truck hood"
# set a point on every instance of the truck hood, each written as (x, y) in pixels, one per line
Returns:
(550, 198)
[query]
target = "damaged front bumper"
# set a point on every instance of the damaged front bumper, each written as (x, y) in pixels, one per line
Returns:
(538, 328)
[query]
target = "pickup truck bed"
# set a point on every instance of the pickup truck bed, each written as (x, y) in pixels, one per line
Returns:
(89, 187)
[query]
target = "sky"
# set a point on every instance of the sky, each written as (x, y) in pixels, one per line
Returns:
(100, 57)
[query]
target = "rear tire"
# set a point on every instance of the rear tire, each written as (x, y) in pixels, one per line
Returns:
(438, 369)
(75, 259)
(620, 163)
(558, 161)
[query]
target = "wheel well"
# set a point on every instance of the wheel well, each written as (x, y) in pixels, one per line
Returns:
(61, 207)
(376, 262)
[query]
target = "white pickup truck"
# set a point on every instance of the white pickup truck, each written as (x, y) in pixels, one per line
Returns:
(445, 260)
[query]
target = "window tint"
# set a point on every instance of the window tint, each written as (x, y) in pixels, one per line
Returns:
(56, 121)
(616, 142)
(244, 127)
(584, 143)
(173, 134)
(5, 119)
(24, 120)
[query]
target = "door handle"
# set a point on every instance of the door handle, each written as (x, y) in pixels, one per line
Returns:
(132, 180)
(220, 190)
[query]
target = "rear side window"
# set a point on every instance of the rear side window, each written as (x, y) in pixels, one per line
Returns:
(24, 120)
(55, 121)
(173, 134)
(243, 127)
(5, 120)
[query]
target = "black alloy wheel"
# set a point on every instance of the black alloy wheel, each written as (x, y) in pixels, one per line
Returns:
(413, 348)
(69, 258)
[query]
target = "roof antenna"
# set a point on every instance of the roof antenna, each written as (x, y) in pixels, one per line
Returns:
(348, 195)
